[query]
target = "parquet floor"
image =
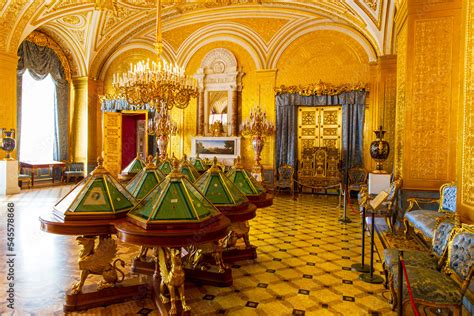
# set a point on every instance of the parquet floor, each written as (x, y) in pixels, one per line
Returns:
(303, 265)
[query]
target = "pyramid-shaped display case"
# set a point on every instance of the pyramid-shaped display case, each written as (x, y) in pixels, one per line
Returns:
(188, 169)
(199, 164)
(248, 185)
(97, 197)
(145, 180)
(132, 169)
(174, 204)
(165, 165)
(218, 189)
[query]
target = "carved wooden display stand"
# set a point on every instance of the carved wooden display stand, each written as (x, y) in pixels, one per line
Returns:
(130, 233)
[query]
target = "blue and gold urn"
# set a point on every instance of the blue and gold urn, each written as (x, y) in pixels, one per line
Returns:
(379, 150)
(7, 142)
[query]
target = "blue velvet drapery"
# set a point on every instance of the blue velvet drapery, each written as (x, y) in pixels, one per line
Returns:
(353, 109)
(41, 61)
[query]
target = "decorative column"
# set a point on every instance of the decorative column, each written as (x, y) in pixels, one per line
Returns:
(200, 101)
(428, 88)
(8, 119)
(79, 117)
(235, 113)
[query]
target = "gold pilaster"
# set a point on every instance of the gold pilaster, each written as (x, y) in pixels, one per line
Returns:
(8, 117)
(465, 161)
(266, 79)
(79, 117)
(427, 92)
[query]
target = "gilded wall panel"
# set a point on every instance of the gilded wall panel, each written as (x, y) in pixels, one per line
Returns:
(402, 38)
(388, 114)
(430, 103)
(466, 163)
(177, 36)
(266, 28)
(329, 56)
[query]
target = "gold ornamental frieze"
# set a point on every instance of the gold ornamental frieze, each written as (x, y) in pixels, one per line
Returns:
(321, 88)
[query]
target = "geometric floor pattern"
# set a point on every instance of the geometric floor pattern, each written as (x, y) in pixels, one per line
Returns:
(303, 265)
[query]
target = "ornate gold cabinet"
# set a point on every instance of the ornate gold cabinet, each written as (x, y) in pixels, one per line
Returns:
(318, 127)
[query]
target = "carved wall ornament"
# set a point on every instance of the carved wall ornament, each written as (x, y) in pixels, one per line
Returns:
(321, 88)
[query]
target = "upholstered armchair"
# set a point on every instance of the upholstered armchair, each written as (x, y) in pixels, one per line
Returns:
(434, 259)
(446, 289)
(357, 179)
(284, 178)
(73, 170)
(423, 221)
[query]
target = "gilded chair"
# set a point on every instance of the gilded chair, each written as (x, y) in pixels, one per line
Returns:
(284, 178)
(357, 179)
(74, 170)
(434, 259)
(423, 221)
(442, 290)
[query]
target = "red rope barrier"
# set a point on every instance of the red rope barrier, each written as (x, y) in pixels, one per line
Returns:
(410, 293)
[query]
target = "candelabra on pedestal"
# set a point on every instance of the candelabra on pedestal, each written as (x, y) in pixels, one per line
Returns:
(162, 126)
(258, 127)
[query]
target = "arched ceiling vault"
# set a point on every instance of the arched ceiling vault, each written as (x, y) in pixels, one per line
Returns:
(94, 37)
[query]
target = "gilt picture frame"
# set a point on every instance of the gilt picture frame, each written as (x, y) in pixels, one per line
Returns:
(219, 147)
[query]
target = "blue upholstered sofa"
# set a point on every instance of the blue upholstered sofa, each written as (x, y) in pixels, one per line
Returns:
(441, 289)
(434, 259)
(423, 221)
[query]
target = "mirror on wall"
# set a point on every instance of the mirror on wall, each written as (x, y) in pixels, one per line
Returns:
(220, 84)
(218, 112)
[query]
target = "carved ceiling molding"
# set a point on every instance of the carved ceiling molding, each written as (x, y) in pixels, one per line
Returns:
(41, 39)
(321, 88)
(131, 19)
(373, 9)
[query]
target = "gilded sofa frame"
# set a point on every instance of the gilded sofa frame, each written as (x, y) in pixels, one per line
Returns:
(417, 201)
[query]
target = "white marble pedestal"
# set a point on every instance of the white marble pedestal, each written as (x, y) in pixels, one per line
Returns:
(379, 182)
(9, 177)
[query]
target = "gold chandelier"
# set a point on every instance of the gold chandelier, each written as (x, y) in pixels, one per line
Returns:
(154, 83)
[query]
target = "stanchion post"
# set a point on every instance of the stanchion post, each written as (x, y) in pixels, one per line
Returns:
(370, 277)
(362, 267)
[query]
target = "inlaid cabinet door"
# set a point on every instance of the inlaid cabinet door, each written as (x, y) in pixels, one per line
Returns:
(112, 142)
(318, 127)
(330, 121)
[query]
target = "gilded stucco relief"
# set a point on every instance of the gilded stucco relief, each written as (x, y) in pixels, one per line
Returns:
(466, 201)
(429, 123)
(402, 38)
(389, 110)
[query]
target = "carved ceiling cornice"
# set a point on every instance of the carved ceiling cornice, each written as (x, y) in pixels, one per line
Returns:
(132, 21)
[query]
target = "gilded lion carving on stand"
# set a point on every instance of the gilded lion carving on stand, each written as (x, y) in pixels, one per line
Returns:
(172, 276)
(98, 260)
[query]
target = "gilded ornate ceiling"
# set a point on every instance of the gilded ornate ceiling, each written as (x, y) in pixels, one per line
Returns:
(94, 31)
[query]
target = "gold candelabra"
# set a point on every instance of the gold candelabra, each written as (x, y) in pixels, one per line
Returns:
(162, 126)
(258, 127)
(154, 82)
